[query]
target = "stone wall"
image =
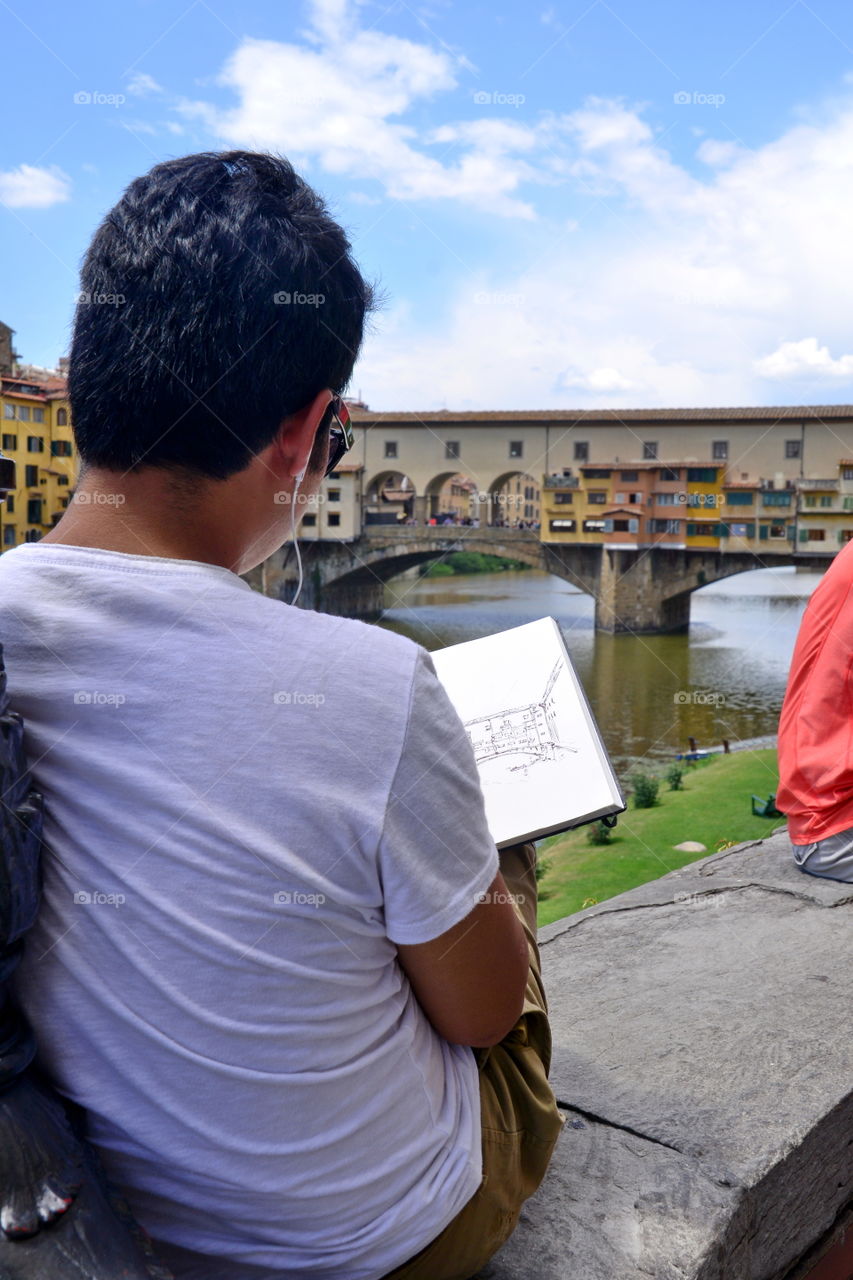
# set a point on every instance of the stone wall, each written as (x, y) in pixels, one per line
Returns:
(702, 1057)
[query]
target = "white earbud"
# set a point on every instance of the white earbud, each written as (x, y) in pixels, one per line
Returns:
(297, 482)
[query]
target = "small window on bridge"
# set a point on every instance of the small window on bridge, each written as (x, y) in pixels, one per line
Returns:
(562, 526)
(581, 451)
(390, 448)
(792, 448)
(334, 519)
(669, 473)
(452, 449)
(628, 476)
(561, 499)
(598, 496)
(334, 495)
(309, 521)
(720, 450)
(516, 448)
(650, 449)
(593, 526)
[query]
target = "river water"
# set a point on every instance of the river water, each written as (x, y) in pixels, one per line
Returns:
(724, 678)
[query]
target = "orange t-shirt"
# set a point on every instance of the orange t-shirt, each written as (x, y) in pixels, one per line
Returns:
(816, 724)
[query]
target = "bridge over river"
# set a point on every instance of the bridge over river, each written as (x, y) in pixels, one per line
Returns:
(637, 591)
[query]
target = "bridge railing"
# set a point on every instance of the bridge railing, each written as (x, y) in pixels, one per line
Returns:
(418, 532)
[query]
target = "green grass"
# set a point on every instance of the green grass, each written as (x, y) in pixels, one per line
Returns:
(713, 807)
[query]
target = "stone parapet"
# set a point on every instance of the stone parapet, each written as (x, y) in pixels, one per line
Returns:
(703, 1059)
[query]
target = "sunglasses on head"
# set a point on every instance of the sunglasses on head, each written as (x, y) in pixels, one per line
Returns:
(341, 437)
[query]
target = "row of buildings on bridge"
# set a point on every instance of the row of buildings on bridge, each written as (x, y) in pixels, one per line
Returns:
(763, 480)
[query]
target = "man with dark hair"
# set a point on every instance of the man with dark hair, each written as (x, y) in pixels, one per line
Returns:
(277, 960)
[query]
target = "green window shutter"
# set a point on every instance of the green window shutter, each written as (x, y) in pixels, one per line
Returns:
(722, 531)
(691, 530)
(764, 532)
(750, 530)
(804, 535)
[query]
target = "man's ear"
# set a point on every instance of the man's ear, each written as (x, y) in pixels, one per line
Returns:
(295, 437)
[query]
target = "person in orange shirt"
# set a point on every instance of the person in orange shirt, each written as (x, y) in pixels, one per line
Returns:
(816, 730)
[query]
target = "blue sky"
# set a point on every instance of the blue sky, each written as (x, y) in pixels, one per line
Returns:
(566, 205)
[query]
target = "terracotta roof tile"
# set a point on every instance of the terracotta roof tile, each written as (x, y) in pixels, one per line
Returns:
(773, 413)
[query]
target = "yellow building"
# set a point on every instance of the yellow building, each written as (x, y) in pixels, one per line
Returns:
(826, 511)
(36, 436)
(335, 513)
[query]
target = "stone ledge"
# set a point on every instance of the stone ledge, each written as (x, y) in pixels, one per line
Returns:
(702, 1056)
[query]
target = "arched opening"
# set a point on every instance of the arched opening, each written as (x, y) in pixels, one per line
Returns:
(514, 501)
(389, 498)
(453, 498)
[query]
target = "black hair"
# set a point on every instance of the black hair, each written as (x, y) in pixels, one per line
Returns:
(217, 297)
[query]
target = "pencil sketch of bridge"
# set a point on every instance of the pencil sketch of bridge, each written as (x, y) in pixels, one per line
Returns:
(530, 731)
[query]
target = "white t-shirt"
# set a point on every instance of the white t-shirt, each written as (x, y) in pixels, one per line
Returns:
(248, 804)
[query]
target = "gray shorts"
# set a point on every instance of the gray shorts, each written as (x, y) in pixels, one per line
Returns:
(831, 858)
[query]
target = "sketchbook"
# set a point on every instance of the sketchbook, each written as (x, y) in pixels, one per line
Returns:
(543, 766)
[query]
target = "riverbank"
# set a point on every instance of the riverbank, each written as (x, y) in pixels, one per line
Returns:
(714, 806)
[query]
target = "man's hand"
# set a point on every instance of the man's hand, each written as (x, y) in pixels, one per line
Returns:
(470, 981)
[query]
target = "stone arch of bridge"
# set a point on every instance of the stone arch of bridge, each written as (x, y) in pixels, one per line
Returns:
(499, 505)
(400, 554)
(388, 478)
(434, 487)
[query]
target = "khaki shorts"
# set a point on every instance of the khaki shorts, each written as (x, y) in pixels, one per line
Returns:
(520, 1119)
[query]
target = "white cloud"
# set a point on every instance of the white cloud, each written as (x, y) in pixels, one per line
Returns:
(598, 380)
(804, 359)
(672, 290)
(142, 85)
(341, 103)
(31, 187)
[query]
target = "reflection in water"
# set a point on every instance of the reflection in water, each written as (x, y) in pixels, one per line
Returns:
(724, 679)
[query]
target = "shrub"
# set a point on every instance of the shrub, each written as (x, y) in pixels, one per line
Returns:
(674, 774)
(645, 790)
(543, 866)
(600, 833)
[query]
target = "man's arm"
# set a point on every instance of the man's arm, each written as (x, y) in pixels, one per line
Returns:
(470, 980)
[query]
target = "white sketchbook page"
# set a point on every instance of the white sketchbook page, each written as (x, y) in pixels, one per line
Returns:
(542, 764)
